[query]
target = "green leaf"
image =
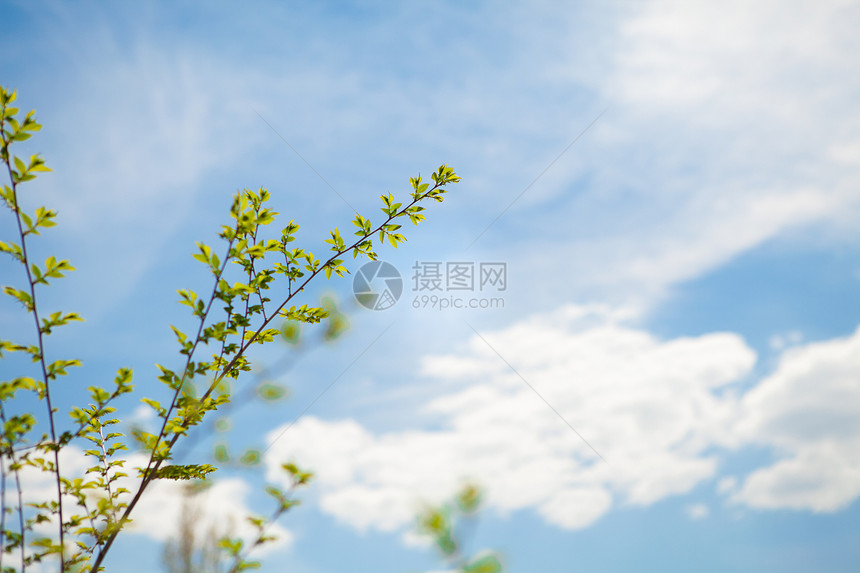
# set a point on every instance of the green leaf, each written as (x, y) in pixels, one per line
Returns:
(232, 546)
(205, 253)
(13, 249)
(291, 332)
(19, 165)
(58, 319)
(469, 499)
(257, 251)
(250, 457)
(37, 163)
(58, 367)
(485, 564)
(180, 336)
(28, 222)
(184, 472)
(271, 392)
(155, 405)
(221, 453)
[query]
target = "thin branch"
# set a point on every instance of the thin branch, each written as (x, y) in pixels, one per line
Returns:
(16, 469)
(2, 507)
(322, 267)
(21, 519)
(32, 284)
(154, 464)
(262, 531)
(152, 468)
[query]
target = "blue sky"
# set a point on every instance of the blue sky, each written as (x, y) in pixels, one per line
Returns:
(682, 281)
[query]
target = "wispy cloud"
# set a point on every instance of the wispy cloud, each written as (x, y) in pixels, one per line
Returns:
(715, 142)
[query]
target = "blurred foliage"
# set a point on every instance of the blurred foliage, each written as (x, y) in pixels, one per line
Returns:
(444, 524)
(187, 551)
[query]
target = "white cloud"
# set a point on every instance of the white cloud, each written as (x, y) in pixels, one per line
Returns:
(664, 413)
(807, 411)
(821, 481)
(650, 407)
(576, 508)
(727, 484)
(697, 511)
(781, 341)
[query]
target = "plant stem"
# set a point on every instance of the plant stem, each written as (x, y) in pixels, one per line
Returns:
(54, 445)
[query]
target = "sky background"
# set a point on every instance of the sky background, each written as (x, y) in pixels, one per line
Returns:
(674, 188)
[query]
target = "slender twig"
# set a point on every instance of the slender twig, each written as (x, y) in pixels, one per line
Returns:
(41, 344)
(16, 469)
(254, 276)
(262, 532)
(197, 339)
(281, 366)
(106, 466)
(2, 507)
(155, 461)
(82, 426)
(247, 297)
(92, 520)
(3, 492)
(337, 254)
(21, 519)
(153, 465)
